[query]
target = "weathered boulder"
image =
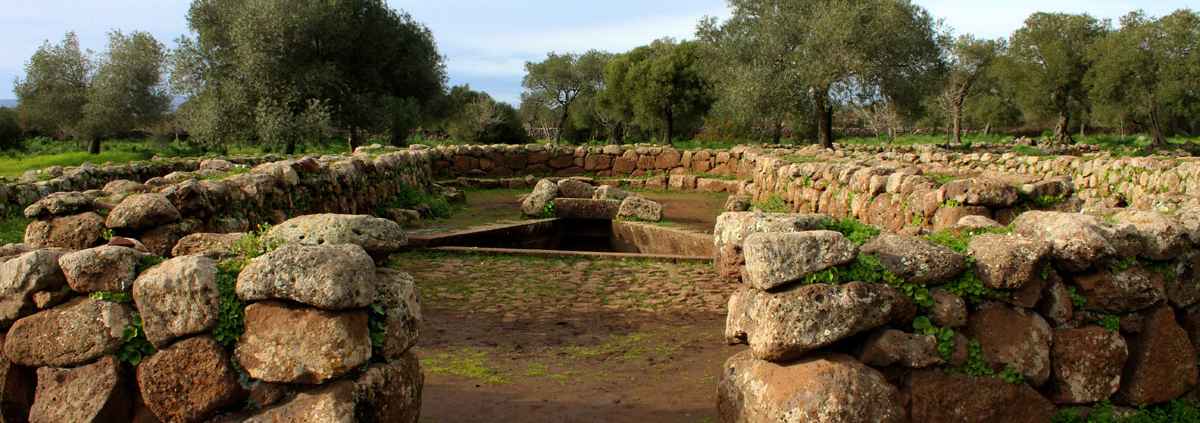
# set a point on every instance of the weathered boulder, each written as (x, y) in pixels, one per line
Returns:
(332, 277)
(982, 192)
(188, 382)
(103, 268)
(16, 390)
(22, 277)
(333, 403)
(775, 259)
(1057, 306)
(732, 228)
(890, 347)
(391, 392)
(124, 187)
(59, 204)
(1008, 261)
(210, 245)
(915, 259)
(290, 344)
(91, 393)
(948, 310)
(397, 295)
(535, 203)
(785, 325)
(141, 211)
(1013, 338)
(635, 207)
(1077, 241)
(1122, 291)
(1162, 361)
(378, 236)
(219, 165)
(68, 335)
(738, 203)
(574, 188)
(826, 388)
(178, 298)
(584, 208)
(975, 222)
(938, 397)
(70, 232)
(1162, 237)
(1087, 364)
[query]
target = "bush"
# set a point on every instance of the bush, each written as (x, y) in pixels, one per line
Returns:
(10, 129)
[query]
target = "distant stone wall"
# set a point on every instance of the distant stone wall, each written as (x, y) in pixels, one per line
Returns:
(1065, 310)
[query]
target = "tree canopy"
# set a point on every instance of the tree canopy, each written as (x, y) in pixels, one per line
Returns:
(128, 90)
(55, 88)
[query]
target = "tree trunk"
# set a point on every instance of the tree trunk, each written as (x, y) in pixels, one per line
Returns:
(1062, 132)
(562, 125)
(352, 140)
(824, 118)
(94, 145)
(778, 134)
(1156, 132)
(290, 148)
(987, 129)
(669, 115)
(956, 119)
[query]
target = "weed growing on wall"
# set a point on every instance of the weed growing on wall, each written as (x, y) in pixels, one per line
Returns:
(773, 204)
(857, 232)
(1103, 412)
(867, 268)
(409, 197)
(112, 296)
(232, 315)
(945, 336)
(146, 262)
(134, 345)
(377, 328)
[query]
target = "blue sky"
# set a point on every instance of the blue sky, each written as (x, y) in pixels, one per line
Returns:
(486, 42)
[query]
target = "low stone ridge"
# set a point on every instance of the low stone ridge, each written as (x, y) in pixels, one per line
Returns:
(915, 259)
(104, 268)
(332, 345)
(777, 259)
(75, 333)
(379, 237)
(331, 277)
(823, 388)
(91, 393)
(785, 325)
(177, 298)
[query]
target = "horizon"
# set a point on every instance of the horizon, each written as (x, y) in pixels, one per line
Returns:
(488, 46)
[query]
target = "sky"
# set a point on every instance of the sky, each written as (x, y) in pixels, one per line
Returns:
(487, 42)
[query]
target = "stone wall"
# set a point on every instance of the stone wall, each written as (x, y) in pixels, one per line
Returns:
(295, 324)
(36, 184)
(997, 324)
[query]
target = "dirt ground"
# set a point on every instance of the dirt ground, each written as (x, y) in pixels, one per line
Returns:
(525, 339)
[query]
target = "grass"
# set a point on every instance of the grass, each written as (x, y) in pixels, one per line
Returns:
(15, 166)
(465, 363)
(12, 229)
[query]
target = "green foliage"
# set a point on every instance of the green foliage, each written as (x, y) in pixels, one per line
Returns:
(960, 239)
(1047, 201)
(1026, 150)
(941, 178)
(112, 296)
(867, 268)
(231, 318)
(134, 346)
(1103, 412)
(945, 336)
(1077, 299)
(970, 287)
(857, 232)
(377, 327)
(107, 234)
(1012, 376)
(548, 210)
(146, 262)
(128, 89)
(12, 229)
(773, 204)
(55, 87)
(10, 129)
(559, 81)
(1123, 264)
(659, 88)
(1110, 322)
(409, 197)
(486, 121)
(976, 365)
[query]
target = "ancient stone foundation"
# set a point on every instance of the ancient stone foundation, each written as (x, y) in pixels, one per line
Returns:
(997, 324)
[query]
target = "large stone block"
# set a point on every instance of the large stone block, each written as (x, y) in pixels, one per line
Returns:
(289, 344)
(68, 335)
(777, 259)
(915, 259)
(104, 268)
(22, 277)
(188, 382)
(1087, 364)
(177, 298)
(70, 232)
(379, 237)
(91, 393)
(332, 277)
(1014, 338)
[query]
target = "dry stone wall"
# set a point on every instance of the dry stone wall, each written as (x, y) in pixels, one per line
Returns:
(998, 325)
(294, 324)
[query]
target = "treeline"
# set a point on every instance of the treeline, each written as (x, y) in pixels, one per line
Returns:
(802, 67)
(278, 73)
(281, 73)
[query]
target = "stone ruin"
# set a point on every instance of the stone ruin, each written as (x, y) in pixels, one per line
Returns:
(1066, 309)
(310, 330)
(579, 198)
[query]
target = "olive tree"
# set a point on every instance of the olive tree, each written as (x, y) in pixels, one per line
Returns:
(1046, 62)
(128, 90)
(562, 79)
(968, 59)
(658, 87)
(830, 50)
(55, 88)
(1149, 70)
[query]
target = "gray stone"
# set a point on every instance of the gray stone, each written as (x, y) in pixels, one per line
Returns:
(178, 298)
(210, 245)
(1008, 261)
(606, 192)
(785, 325)
(104, 268)
(332, 277)
(641, 209)
(534, 204)
(142, 211)
(379, 237)
(915, 259)
(333, 403)
(91, 393)
(289, 344)
(22, 277)
(891, 347)
(1077, 241)
(70, 232)
(733, 228)
(982, 192)
(777, 259)
(1162, 238)
(574, 188)
(397, 294)
(59, 204)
